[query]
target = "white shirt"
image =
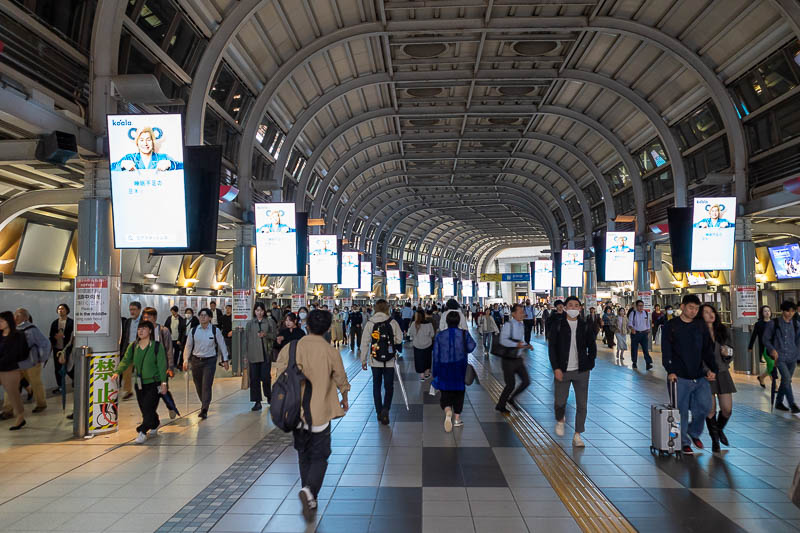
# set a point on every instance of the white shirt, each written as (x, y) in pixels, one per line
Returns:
(174, 328)
(133, 325)
(572, 363)
(201, 344)
(640, 321)
(462, 322)
(214, 317)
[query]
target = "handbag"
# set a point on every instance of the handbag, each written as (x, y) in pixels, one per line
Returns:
(727, 358)
(245, 379)
(471, 376)
(504, 352)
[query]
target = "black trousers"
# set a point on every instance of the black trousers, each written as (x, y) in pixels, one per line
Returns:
(637, 339)
(423, 359)
(177, 354)
(203, 370)
(511, 369)
(528, 325)
(147, 397)
(453, 399)
(260, 380)
(355, 336)
(382, 375)
(313, 450)
(609, 334)
(539, 326)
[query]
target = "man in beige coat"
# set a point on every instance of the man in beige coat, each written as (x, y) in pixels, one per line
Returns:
(322, 365)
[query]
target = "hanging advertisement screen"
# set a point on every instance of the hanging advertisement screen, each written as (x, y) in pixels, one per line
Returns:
(447, 287)
(424, 285)
(466, 288)
(786, 261)
(366, 277)
(276, 239)
(393, 282)
(148, 192)
(572, 268)
(696, 280)
(713, 229)
(619, 256)
(323, 259)
(483, 289)
(543, 275)
(351, 275)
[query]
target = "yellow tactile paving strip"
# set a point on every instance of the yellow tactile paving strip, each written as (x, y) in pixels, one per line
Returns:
(589, 506)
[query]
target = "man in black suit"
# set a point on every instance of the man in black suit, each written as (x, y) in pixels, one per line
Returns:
(216, 314)
(176, 325)
(226, 327)
(129, 327)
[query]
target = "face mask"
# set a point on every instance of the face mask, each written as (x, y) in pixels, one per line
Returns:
(303, 316)
(188, 315)
(573, 313)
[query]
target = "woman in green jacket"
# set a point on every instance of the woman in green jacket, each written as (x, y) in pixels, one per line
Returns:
(149, 362)
(259, 336)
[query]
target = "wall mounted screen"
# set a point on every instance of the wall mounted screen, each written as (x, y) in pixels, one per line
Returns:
(276, 239)
(713, 229)
(619, 256)
(483, 289)
(424, 285)
(323, 259)
(146, 154)
(466, 288)
(42, 250)
(366, 277)
(786, 261)
(448, 289)
(393, 282)
(572, 268)
(351, 274)
(542, 275)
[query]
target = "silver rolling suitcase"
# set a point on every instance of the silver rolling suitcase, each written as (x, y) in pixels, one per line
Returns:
(665, 425)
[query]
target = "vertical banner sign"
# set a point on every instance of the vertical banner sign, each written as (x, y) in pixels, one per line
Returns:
(347, 303)
(103, 393)
(298, 301)
(746, 301)
(647, 298)
(91, 305)
(183, 303)
(241, 304)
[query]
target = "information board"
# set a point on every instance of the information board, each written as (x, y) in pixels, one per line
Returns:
(746, 301)
(91, 305)
(447, 287)
(424, 285)
(323, 259)
(483, 289)
(572, 268)
(366, 277)
(543, 275)
(351, 274)
(242, 299)
(276, 239)
(647, 298)
(713, 231)
(393, 282)
(298, 301)
(619, 256)
(466, 288)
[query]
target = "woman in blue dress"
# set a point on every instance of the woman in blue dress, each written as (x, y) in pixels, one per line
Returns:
(146, 157)
(451, 348)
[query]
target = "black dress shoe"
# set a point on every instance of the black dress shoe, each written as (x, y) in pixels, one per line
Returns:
(256, 407)
(795, 409)
(649, 366)
(502, 409)
(513, 404)
(633, 365)
(71, 416)
(203, 414)
(18, 426)
(781, 407)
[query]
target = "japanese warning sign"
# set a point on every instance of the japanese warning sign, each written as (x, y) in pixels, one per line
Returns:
(103, 392)
(91, 305)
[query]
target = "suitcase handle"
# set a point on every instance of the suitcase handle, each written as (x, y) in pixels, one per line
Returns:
(672, 388)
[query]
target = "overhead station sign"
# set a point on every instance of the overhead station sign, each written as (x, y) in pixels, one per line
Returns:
(351, 273)
(276, 239)
(713, 231)
(543, 275)
(619, 255)
(572, 268)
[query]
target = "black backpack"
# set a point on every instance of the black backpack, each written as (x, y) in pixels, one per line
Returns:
(383, 346)
(286, 397)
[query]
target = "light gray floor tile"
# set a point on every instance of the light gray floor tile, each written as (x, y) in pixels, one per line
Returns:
(499, 525)
(438, 524)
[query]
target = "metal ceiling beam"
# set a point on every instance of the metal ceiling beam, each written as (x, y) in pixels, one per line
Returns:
(790, 10)
(27, 201)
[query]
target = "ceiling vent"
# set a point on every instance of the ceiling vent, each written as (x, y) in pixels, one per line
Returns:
(535, 48)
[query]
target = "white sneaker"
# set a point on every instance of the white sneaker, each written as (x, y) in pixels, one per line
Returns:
(154, 432)
(309, 503)
(140, 438)
(560, 428)
(577, 441)
(448, 422)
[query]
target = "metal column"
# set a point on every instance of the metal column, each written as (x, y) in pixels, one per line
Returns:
(743, 275)
(589, 279)
(244, 278)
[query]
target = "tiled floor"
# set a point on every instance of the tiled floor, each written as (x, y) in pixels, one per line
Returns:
(231, 473)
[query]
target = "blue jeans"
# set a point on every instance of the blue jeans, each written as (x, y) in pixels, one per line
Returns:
(786, 369)
(693, 395)
(386, 376)
(640, 337)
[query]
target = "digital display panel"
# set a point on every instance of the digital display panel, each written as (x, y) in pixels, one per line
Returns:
(466, 288)
(323, 259)
(351, 277)
(276, 239)
(424, 285)
(148, 192)
(696, 280)
(483, 289)
(393, 282)
(619, 256)
(713, 229)
(543, 275)
(366, 277)
(786, 261)
(572, 268)
(447, 287)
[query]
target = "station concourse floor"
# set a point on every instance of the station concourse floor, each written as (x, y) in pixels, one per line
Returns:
(232, 473)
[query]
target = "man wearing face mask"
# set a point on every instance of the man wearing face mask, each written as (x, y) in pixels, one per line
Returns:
(511, 337)
(556, 314)
(572, 349)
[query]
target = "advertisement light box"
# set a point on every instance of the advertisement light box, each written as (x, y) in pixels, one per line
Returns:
(543, 275)
(447, 287)
(695, 280)
(483, 289)
(323, 259)
(148, 191)
(424, 285)
(466, 288)
(619, 256)
(713, 229)
(572, 268)
(393, 282)
(276, 239)
(351, 274)
(366, 277)
(786, 261)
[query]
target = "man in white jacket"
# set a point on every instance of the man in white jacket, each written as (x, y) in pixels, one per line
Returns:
(381, 354)
(452, 307)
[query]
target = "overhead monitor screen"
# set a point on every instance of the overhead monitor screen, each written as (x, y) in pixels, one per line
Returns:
(713, 229)
(424, 285)
(543, 275)
(786, 261)
(393, 282)
(323, 259)
(366, 277)
(148, 193)
(572, 268)
(619, 256)
(466, 288)
(350, 271)
(483, 289)
(276, 239)
(447, 287)
(696, 280)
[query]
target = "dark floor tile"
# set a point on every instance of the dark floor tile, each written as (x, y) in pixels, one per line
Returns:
(413, 494)
(483, 476)
(657, 525)
(355, 493)
(440, 468)
(396, 508)
(396, 524)
(500, 434)
(642, 509)
(350, 507)
(338, 524)
(413, 414)
(627, 495)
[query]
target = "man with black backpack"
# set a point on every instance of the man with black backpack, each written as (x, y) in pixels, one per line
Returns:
(203, 344)
(782, 341)
(513, 364)
(639, 324)
(321, 366)
(380, 346)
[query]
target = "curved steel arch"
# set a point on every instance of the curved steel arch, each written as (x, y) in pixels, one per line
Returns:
(791, 10)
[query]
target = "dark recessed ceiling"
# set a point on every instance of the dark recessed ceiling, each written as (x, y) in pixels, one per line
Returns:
(424, 92)
(516, 91)
(425, 51)
(535, 48)
(422, 122)
(503, 121)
